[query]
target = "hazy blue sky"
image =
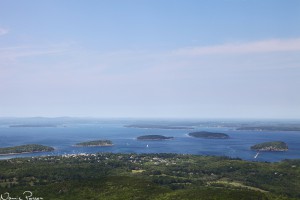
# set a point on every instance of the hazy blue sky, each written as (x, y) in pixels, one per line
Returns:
(150, 58)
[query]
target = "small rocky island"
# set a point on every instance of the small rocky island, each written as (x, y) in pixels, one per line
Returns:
(28, 148)
(95, 143)
(270, 146)
(208, 135)
(154, 137)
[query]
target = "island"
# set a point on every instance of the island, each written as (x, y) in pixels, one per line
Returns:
(33, 126)
(95, 143)
(270, 146)
(208, 135)
(154, 137)
(152, 126)
(28, 148)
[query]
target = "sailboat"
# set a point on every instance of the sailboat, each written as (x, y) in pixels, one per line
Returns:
(256, 154)
(147, 146)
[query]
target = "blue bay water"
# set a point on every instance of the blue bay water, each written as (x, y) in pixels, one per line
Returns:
(124, 139)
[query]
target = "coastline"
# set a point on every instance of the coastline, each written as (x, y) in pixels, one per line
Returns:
(270, 150)
(105, 145)
(8, 154)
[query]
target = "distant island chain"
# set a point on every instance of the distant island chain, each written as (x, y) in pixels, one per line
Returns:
(34, 148)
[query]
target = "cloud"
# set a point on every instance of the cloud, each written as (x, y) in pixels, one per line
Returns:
(264, 46)
(3, 31)
(135, 81)
(9, 55)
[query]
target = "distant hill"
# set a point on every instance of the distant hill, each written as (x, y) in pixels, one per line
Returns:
(269, 128)
(209, 135)
(29, 148)
(154, 137)
(270, 146)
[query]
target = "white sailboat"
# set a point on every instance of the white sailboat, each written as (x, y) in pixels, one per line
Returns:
(147, 146)
(256, 154)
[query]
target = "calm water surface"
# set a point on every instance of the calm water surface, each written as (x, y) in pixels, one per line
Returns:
(124, 139)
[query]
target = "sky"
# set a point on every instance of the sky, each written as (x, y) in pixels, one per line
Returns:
(150, 58)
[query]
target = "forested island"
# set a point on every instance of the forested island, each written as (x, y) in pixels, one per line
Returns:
(208, 135)
(151, 126)
(270, 146)
(99, 143)
(28, 148)
(154, 137)
(109, 176)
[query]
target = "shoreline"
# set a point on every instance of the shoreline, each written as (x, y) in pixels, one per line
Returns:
(267, 150)
(7, 154)
(155, 139)
(128, 153)
(108, 145)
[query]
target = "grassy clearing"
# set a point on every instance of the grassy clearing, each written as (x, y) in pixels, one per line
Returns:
(135, 171)
(235, 184)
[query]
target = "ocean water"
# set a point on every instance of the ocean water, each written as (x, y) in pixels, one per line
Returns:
(62, 138)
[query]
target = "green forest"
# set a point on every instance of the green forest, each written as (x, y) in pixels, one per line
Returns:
(149, 176)
(271, 146)
(95, 143)
(154, 137)
(28, 148)
(205, 134)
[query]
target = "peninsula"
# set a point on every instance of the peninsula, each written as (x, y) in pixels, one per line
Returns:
(95, 143)
(154, 137)
(29, 148)
(270, 146)
(208, 135)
